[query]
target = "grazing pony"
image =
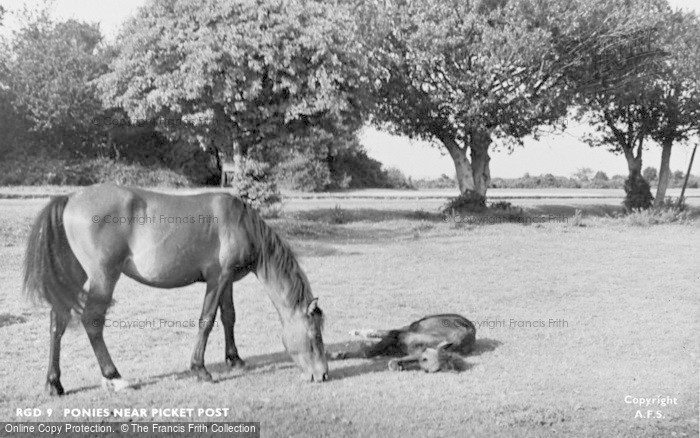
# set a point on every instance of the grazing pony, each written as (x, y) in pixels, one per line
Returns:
(81, 244)
(435, 343)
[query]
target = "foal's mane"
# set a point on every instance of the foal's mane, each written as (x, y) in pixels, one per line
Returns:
(276, 261)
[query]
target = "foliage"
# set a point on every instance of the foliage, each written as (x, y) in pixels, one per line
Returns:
(397, 180)
(338, 216)
(465, 202)
(501, 205)
(650, 173)
(650, 91)
(551, 181)
(533, 182)
(253, 182)
(49, 78)
(144, 145)
(461, 72)
(670, 203)
(583, 173)
(353, 168)
(239, 73)
(442, 182)
(601, 176)
(648, 217)
(637, 193)
(304, 172)
(14, 128)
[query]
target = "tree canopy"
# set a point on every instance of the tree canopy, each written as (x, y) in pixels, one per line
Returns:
(655, 99)
(238, 73)
(461, 73)
(48, 75)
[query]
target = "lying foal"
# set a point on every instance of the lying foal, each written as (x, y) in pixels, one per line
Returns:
(435, 343)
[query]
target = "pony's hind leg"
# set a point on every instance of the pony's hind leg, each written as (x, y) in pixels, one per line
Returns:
(59, 322)
(228, 320)
(93, 319)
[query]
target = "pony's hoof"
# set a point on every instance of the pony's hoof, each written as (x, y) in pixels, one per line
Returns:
(395, 365)
(54, 389)
(115, 385)
(235, 363)
(202, 374)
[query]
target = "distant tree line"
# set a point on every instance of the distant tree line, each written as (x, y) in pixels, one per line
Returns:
(281, 89)
(584, 178)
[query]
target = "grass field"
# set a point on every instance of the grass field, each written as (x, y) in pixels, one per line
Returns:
(612, 310)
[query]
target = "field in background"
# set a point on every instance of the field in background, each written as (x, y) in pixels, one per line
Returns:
(628, 296)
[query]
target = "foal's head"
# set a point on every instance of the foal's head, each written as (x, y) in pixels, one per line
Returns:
(304, 343)
(437, 359)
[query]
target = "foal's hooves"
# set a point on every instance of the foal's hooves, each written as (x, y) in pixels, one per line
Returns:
(54, 389)
(115, 385)
(235, 363)
(201, 374)
(395, 365)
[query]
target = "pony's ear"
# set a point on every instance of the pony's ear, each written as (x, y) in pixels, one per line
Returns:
(313, 306)
(442, 345)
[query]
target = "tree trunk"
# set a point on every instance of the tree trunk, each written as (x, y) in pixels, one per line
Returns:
(634, 164)
(480, 162)
(664, 173)
(637, 190)
(463, 168)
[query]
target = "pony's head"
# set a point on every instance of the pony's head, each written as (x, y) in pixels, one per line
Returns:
(437, 359)
(303, 341)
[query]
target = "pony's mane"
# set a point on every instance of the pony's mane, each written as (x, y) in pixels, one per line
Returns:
(276, 261)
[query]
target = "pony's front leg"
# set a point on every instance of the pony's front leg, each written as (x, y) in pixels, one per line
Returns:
(228, 320)
(206, 322)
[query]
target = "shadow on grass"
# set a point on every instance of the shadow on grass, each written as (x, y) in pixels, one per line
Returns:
(381, 363)
(343, 216)
(9, 319)
(327, 223)
(594, 210)
(271, 362)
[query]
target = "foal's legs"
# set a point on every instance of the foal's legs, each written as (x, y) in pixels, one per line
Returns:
(93, 318)
(215, 288)
(59, 322)
(387, 346)
(228, 319)
(400, 363)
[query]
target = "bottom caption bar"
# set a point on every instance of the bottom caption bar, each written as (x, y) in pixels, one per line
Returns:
(154, 429)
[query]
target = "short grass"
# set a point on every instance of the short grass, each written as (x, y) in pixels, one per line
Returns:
(628, 296)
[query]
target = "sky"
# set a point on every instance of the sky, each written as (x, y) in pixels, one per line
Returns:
(558, 154)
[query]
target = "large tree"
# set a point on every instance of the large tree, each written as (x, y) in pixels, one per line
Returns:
(48, 75)
(642, 93)
(677, 90)
(463, 74)
(238, 75)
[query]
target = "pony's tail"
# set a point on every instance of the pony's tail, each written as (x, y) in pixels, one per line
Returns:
(51, 271)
